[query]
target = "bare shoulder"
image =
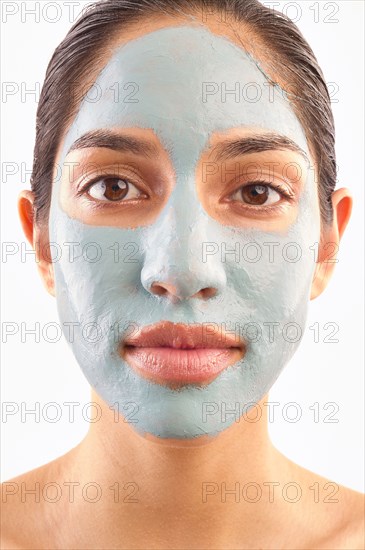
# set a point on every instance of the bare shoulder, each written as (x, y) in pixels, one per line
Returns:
(349, 532)
(26, 513)
(334, 513)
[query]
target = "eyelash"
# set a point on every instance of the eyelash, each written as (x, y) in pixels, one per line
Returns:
(281, 189)
(91, 182)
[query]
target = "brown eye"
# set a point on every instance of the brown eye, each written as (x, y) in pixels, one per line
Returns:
(113, 189)
(257, 194)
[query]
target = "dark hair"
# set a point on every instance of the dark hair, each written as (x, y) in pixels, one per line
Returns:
(287, 54)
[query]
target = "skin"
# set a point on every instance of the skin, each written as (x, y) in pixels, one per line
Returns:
(169, 475)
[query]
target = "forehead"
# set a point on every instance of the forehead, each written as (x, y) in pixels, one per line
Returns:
(185, 83)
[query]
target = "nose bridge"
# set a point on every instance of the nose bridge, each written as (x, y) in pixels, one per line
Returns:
(174, 248)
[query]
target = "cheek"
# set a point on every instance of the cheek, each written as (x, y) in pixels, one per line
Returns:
(99, 265)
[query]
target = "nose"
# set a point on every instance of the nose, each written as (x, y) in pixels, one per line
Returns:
(181, 280)
(173, 267)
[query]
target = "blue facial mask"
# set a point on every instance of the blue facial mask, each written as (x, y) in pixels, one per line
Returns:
(105, 298)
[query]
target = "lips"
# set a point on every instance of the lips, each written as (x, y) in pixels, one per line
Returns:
(176, 354)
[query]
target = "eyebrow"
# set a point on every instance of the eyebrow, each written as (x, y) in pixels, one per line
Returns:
(232, 148)
(115, 141)
(225, 150)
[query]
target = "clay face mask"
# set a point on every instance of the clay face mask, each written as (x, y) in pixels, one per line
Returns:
(97, 291)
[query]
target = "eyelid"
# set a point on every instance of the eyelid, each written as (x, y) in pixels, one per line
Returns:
(87, 181)
(281, 189)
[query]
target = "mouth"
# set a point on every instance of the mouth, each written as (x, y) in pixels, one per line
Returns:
(177, 354)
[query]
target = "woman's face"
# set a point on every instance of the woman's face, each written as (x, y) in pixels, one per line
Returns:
(186, 196)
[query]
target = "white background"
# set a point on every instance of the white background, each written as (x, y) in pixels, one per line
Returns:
(320, 372)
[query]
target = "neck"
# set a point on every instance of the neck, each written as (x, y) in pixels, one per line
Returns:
(174, 484)
(243, 452)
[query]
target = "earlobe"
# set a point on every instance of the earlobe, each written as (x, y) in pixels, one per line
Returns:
(330, 240)
(38, 239)
(48, 279)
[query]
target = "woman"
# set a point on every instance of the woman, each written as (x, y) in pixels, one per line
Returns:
(184, 166)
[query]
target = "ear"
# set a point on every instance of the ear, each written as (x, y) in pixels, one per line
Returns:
(330, 240)
(37, 236)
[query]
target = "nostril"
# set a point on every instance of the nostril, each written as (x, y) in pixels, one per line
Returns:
(160, 289)
(208, 292)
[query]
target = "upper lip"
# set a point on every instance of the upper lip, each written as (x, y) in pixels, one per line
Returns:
(182, 336)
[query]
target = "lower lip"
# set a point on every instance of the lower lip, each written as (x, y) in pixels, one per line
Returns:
(180, 366)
